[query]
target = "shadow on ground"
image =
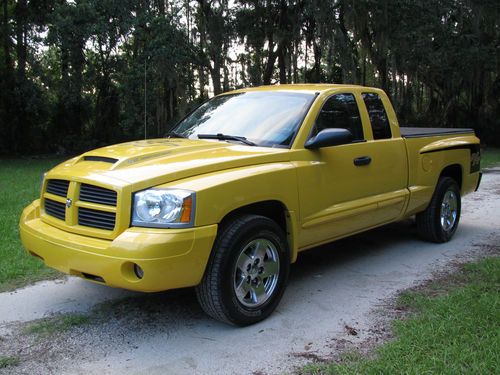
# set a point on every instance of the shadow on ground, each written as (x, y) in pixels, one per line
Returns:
(180, 306)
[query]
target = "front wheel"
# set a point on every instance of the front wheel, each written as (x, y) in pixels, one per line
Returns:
(247, 272)
(439, 221)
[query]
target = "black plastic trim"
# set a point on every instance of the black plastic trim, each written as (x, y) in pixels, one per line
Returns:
(475, 160)
(471, 147)
(362, 160)
(57, 187)
(96, 219)
(100, 158)
(97, 194)
(55, 209)
(479, 181)
(89, 276)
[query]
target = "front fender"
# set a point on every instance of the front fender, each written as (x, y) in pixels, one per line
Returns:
(220, 193)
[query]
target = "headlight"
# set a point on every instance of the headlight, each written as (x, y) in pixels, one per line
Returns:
(164, 208)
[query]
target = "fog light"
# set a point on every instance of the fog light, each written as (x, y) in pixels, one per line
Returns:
(138, 271)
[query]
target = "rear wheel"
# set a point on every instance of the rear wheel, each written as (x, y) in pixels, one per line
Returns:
(439, 221)
(247, 272)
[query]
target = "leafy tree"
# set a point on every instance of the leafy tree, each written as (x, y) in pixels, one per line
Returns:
(83, 73)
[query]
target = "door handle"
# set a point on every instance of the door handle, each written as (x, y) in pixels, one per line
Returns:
(363, 160)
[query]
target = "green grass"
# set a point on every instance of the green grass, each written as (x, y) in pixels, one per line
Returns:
(50, 326)
(490, 157)
(454, 329)
(8, 361)
(19, 185)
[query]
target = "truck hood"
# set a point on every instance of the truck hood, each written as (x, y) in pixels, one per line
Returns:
(153, 162)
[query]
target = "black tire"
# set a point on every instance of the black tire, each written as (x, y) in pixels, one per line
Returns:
(437, 223)
(217, 292)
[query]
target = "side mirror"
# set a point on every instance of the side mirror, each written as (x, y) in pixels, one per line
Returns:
(329, 137)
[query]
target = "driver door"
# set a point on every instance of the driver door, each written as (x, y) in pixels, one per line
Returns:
(341, 188)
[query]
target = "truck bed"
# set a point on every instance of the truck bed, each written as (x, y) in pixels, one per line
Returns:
(408, 132)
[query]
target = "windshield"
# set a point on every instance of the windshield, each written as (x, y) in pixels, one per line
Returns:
(265, 118)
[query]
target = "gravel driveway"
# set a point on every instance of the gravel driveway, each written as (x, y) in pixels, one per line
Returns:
(336, 295)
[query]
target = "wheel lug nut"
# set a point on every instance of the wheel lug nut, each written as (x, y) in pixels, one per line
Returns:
(261, 269)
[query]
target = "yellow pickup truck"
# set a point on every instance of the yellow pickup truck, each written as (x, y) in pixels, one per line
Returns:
(242, 185)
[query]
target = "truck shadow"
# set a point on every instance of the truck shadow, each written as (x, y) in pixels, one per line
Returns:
(328, 257)
(180, 306)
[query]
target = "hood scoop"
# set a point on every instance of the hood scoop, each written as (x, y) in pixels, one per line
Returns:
(104, 159)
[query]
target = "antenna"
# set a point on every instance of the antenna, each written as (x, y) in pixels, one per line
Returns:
(145, 99)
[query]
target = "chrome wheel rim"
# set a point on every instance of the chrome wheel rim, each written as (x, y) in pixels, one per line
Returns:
(449, 210)
(256, 273)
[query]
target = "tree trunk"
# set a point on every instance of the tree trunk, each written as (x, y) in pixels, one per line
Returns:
(394, 86)
(364, 71)
(316, 73)
(271, 59)
(305, 63)
(225, 85)
(255, 67)
(201, 67)
(295, 62)
(216, 75)
(282, 63)
(382, 71)
(6, 36)
(21, 19)
(22, 128)
(329, 61)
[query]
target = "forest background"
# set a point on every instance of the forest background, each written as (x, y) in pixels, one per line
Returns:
(79, 74)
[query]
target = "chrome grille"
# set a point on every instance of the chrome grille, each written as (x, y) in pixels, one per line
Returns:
(58, 187)
(96, 219)
(96, 194)
(56, 209)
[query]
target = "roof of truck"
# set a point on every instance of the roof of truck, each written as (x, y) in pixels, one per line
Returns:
(310, 87)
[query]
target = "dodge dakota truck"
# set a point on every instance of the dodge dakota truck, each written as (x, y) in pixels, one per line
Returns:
(226, 201)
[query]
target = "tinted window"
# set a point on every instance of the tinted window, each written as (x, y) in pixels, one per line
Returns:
(378, 117)
(267, 118)
(340, 111)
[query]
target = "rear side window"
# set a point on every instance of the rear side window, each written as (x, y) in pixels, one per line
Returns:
(378, 117)
(340, 111)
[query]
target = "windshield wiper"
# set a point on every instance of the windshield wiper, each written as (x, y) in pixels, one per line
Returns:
(226, 137)
(174, 135)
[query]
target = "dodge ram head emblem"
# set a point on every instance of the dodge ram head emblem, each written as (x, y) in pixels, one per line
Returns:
(69, 202)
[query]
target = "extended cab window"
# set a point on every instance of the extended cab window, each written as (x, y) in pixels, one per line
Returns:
(340, 111)
(378, 117)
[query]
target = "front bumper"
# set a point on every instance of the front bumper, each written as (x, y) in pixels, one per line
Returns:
(170, 258)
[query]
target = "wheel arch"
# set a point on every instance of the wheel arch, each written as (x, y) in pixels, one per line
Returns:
(454, 171)
(274, 210)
